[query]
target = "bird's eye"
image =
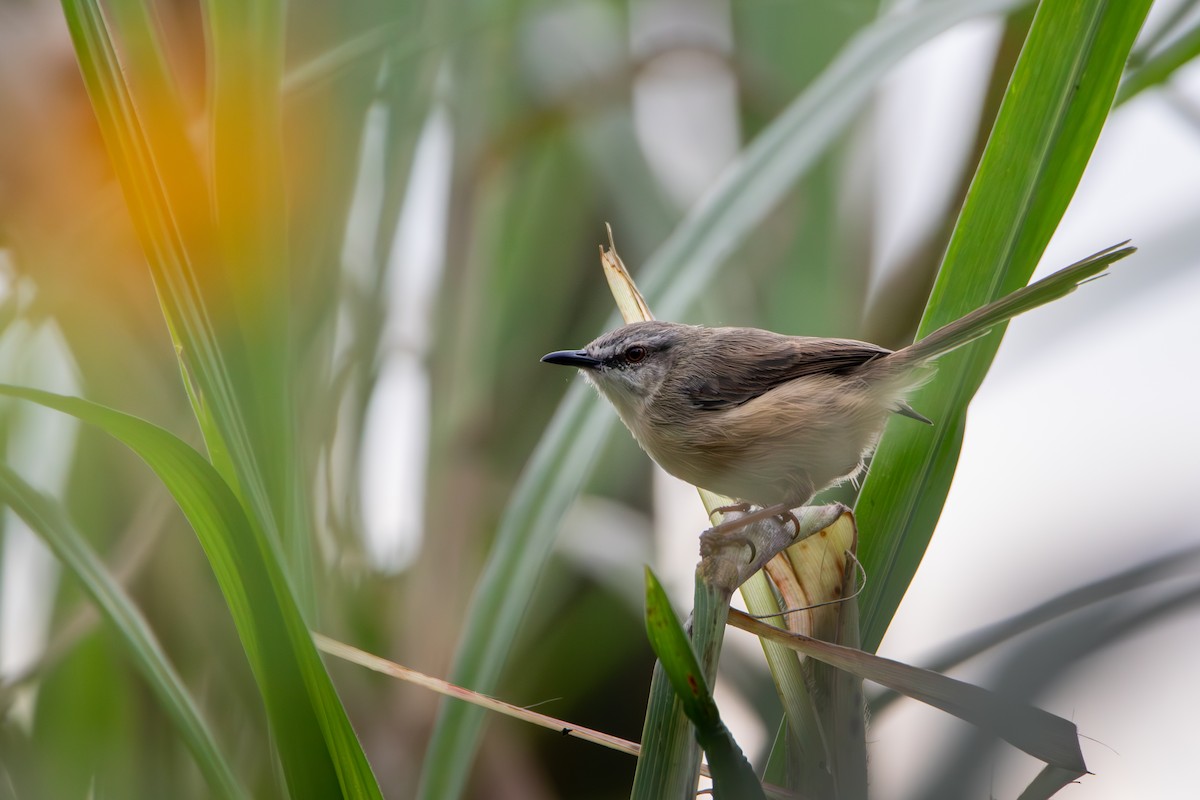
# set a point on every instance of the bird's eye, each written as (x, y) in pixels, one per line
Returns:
(635, 354)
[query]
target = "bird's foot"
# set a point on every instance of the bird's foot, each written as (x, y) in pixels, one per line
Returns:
(729, 532)
(781, 510)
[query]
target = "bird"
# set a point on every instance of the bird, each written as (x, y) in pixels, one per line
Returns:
(770, 419)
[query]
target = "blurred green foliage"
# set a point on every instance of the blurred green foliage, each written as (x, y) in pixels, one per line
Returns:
(285, 137)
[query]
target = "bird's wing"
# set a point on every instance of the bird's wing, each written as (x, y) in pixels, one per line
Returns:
(781, 359)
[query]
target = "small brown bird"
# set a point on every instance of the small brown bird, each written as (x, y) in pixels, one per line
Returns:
(770, 419)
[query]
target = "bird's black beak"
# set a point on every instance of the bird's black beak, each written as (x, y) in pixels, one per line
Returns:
(572, 358)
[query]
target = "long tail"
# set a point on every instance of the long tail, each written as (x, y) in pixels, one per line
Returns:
(974, 325)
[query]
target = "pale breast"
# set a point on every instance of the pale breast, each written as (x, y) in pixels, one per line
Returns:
(782, 446)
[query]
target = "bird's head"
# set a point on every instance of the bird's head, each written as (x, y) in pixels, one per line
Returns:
(629, 365)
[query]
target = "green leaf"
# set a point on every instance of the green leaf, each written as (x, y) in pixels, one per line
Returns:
(48, 519)
(1037, 732)
(1048, 783)
(842, 703)
(803, 733)
(331, 64)
(1159, 68)
(669, 764)
(317, 747)
(1047, 657)
(245, 115)
(1056, 103)
(731, 773)
(1137, 576)
(168, 200)
(670, 644)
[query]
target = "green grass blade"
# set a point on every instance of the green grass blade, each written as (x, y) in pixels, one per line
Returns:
(47, 518)
(1048, 657)
(1056, 103)
(669, 763)
(554, 476)
(160, 226)
(674, 277)
(156, 97)
(1037, 732)
(245, 72)
(168, 203)
(674, 650)
(1048, 783)
(1136, 577)
(1159, 68)
(318, 749)
(806, 738)
(750, 188)
(669, 767)
(846, 718)
(731, 772)
(329, 65)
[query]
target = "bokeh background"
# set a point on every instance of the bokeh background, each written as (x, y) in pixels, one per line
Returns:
(449, 169)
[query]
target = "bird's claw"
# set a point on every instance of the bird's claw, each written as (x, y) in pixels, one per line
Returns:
(729, 532)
